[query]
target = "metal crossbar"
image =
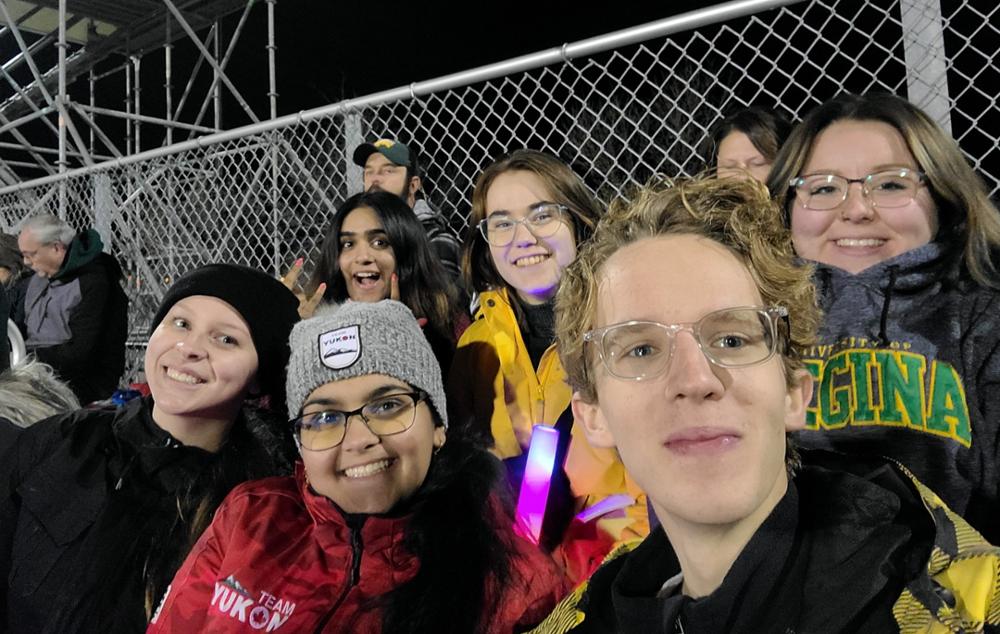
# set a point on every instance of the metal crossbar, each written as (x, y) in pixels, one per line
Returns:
(618, 108)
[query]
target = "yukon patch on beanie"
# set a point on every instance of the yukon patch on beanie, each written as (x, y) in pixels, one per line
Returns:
(268, 307)
(360, 338)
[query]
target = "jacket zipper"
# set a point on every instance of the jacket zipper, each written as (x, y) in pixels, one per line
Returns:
(131, 462)
(355, 575)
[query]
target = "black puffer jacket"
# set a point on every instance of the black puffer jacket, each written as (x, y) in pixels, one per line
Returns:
(98, 511)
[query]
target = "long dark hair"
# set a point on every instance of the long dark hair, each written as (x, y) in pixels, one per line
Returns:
(460, 532)
(423, 285)
(164, 533)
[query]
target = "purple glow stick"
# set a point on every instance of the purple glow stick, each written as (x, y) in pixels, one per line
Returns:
(534, 492)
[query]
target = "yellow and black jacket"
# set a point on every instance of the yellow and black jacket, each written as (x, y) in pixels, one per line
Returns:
(493, 379)
(855, 545)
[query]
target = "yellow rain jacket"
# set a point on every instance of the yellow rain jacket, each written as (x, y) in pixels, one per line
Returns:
(492, 378)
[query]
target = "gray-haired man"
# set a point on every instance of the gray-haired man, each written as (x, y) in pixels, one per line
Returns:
(75, 311)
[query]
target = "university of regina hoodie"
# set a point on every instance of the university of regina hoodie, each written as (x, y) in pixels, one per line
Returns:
(907, 366)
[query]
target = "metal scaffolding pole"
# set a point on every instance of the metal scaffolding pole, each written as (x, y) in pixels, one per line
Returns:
(111, 71)
(47, 150)
(211, 60)
(19, 59)
(213, 90)
(168, 87)
(96, 129)
(128, 109)
(216, 89)
(42, 163)
(24, 96)
(136, 92)
(926, 62)
(272, 50)
(144, 118)
(553, 55)
(193, 76)
(92, 82)
(37, 114)
(169, 139)
(63, 115)
(276, 259)
(77, 139)
(25, 49)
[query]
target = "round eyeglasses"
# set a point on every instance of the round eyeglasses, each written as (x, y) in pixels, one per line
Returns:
(384, 416)
(543, 221)
(730, 338)
(894, 187)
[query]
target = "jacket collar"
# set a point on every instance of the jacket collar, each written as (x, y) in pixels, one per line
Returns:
(847, 526)
(378, 533)
(915, 269)
(148, 452)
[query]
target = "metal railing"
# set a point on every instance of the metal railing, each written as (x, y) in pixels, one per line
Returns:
(618, 108)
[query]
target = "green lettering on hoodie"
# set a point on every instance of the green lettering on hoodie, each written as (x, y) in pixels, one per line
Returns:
(892, 388)
(902, 378)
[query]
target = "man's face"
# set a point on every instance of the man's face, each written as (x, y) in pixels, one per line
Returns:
(706, 443)
(43, 259)
(384, 175)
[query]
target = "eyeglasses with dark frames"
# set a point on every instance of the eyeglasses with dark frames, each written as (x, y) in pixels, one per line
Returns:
(384, 416)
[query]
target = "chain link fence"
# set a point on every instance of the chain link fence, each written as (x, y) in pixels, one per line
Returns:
(617, 116)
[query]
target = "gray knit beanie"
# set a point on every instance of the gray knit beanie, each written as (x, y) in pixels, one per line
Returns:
(359, 338)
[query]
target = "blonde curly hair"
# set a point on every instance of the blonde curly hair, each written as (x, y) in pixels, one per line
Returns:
(738, 214)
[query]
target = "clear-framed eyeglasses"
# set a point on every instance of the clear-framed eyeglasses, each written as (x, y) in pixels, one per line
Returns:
(542, 221)
(889, 188)
(385, 416)
(730, 338)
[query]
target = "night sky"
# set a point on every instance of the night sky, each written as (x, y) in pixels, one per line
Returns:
(329, 51)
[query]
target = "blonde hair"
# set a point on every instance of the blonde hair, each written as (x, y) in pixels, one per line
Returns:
(737, 214)
(966, 216)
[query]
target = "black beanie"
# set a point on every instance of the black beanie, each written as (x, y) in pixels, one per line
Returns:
(268, 307)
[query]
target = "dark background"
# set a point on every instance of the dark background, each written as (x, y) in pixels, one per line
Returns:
(328, 51)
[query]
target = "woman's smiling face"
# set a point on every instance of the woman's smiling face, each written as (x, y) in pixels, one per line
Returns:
(857, 234)
(368, 473)
(200, 361)
(531, 265)
(367, 260)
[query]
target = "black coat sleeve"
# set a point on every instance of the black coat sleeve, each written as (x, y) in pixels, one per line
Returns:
(4, 316)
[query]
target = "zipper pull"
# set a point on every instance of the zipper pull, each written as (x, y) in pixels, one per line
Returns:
(540, 404)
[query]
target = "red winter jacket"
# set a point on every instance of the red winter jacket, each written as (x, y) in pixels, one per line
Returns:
(281, 558)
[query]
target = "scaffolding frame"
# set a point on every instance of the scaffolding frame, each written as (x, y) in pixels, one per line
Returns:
(85, 34)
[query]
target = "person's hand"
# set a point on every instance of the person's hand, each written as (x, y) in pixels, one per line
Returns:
(394, 294)
(307, 304)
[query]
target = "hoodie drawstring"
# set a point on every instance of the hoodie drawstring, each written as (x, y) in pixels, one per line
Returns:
(883, 338)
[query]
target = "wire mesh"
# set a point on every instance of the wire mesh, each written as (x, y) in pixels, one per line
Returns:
(617, 117)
